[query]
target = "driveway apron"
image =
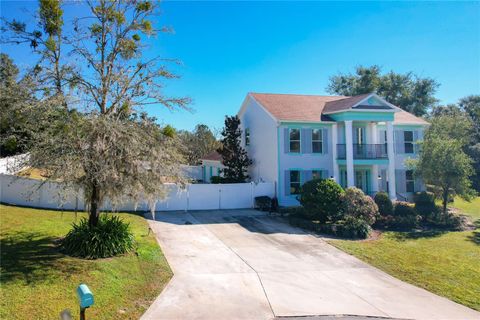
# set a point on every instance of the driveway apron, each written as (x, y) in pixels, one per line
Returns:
(241, 264)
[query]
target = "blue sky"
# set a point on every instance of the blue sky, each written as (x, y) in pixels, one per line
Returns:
(231, 48)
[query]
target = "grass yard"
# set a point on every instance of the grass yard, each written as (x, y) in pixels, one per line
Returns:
(38, 282)
(445, 263)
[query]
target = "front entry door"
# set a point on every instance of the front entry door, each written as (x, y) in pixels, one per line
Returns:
(361, 179)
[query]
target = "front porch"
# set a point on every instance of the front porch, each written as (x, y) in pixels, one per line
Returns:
(369, 178)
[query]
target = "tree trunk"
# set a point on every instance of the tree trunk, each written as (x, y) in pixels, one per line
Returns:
(94, 207)
(445, 200)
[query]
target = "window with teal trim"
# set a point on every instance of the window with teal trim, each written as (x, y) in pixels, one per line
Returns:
(317, 144)
(410, 181)
(294, 135)
(408, 140)
(295, 182)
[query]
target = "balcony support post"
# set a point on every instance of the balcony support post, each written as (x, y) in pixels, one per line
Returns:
(336, 175)
(392, 192)
(349, 153)
(374, 179)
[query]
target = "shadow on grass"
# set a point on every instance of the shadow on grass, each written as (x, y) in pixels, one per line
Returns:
(31, 257)
(413, 235)
(475, 237)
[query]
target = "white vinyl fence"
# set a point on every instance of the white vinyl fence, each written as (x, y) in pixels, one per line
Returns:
(30, 192)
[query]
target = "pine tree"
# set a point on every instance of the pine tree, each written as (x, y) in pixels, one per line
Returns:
(234, 157)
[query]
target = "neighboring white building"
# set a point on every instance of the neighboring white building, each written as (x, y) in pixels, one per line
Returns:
(211, 166)
(359, 141)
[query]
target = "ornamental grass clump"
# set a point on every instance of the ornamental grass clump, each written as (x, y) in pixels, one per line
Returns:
(110, 237)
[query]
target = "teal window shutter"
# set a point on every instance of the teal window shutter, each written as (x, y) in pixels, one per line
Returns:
(287, 182)
(325, 141)
(286, 140)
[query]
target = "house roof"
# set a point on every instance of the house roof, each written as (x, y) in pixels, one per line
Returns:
(212, 156)
(312, 108)
(343, 104)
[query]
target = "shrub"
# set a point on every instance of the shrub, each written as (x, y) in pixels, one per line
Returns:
(403, 217)
(425, 204)
(109, 238)
(356, 204)
(353, 227)
(405, 222)
(385, 205)
(403, 209)
(216, 179)
(321, 199)
(263, 203)
(297, 212)
(449, 220)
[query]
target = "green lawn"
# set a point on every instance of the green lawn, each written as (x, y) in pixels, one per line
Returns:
(38, 282)
(446, 263)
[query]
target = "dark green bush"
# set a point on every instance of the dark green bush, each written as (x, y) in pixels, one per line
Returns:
(356, 204)
(109, 238)
(321, 199)
(353, 228)
(403, 209)
(447, 220)
(216, 179)
(298, 211)
(404, 217)
(263, 203)
(385, 205)
(425, 204)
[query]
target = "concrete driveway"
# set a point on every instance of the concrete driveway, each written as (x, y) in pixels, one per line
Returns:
(241, 264)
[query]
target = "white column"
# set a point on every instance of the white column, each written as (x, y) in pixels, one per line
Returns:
(374, 179)
(349, 149)
(392, 192)
(373, 133)
(336, 175)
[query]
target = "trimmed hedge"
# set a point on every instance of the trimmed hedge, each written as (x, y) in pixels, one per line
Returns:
(403, 209)
(385, 205)
(404, 217)
(351, 227)
(425, 204)
(321, 199)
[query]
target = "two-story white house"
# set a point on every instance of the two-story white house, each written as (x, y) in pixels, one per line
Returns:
(360, 141)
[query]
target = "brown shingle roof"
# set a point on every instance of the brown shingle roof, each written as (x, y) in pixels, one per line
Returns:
(404, 117)
(294, 107)
(213, 156)
(310, 108)
(343, 104)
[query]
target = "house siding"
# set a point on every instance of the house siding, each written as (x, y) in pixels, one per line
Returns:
(305, 162)
(269, 149)
(263, 142)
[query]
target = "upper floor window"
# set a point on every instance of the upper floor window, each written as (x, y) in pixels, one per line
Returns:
(247, 136)
(408, 140)
(294, 140)
(295, 182)
(317, 145)
(410, 181)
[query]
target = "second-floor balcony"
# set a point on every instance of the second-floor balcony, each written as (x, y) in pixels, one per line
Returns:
(363, 151)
